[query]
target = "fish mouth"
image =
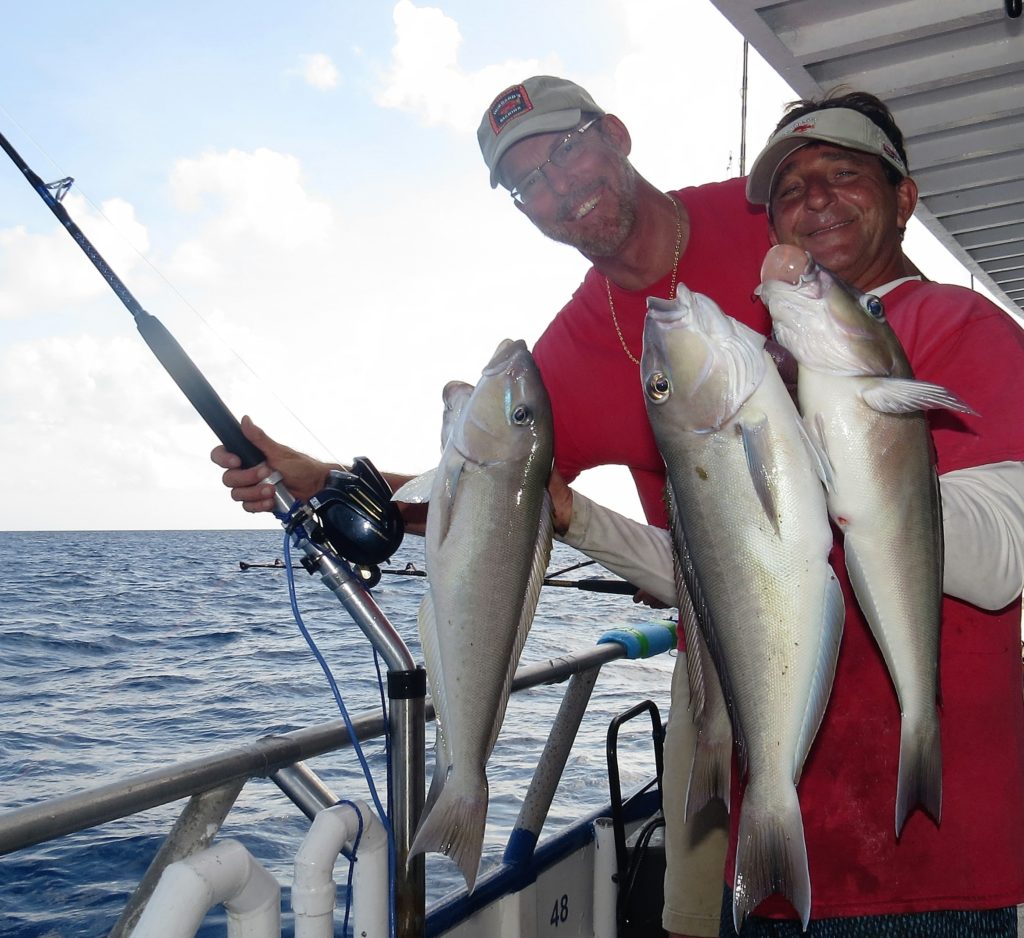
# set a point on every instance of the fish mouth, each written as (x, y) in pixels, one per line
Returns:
(670, 311)
(788, 269)
(503, 355)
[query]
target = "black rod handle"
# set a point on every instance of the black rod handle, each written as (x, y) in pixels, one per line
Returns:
(197, 389)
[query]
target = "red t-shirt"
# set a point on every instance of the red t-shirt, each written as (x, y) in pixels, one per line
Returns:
(598, 404)
(975, 858)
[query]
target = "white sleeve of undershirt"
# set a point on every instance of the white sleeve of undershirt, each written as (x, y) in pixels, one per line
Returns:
(983, 523)
(638, 552)
(983, 528)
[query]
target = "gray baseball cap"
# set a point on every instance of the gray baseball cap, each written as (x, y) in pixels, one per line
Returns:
(841, 126)
(540, 105)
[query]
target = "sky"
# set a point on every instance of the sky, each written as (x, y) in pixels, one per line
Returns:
(296, 192)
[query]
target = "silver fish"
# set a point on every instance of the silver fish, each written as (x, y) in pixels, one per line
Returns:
(488, 541)
(863, 409)
(753, 539)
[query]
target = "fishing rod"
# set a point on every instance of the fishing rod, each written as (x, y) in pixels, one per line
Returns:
(353, 516)
(351, 521)
(593, 584)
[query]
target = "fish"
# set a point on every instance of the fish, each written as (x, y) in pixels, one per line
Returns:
(751, 533)
(488, 543)
(864, 411)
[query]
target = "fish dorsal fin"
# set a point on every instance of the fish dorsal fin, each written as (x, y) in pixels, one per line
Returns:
(443, 504)
(756, 436)
(417, 490)
(906, 395)
(538, 569)
(819, 443)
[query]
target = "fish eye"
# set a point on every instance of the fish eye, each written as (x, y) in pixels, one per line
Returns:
(873, 306)
(658, 387)
(521, 415)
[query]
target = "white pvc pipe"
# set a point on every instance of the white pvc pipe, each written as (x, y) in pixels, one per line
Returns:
(224, 873)
(606, 891)
(313, 890)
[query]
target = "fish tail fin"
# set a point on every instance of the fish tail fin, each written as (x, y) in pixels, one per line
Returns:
(920, 772)
(771, 856)
(709, 775)
(455, 824)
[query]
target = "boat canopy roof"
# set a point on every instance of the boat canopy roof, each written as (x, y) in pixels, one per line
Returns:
(952, 71)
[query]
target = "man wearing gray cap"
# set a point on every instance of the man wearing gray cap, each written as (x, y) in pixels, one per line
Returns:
(838, 189)
(834, 179)
(565, 163)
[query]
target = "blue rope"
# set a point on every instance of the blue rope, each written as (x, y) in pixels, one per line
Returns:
(381, 812)
(351, 857)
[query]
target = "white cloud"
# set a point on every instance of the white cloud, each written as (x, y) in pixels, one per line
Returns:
(252, 195)
(40, 271)
(424, 76)
(319, 71)
(353, 297)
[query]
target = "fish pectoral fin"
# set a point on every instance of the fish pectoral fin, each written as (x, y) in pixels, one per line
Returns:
(906, 395)
(815, 444)
(756, 436)
(417, 490)
(443, 505)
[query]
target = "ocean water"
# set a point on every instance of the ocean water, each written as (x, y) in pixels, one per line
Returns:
(121, 652)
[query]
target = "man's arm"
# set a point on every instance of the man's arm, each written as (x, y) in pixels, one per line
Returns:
(983, 526)
(302, 475)
(638, 552)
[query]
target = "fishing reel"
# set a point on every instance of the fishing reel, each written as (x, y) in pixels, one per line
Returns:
(355, 518)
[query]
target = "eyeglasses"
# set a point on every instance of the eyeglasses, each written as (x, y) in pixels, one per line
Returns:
(533, 183)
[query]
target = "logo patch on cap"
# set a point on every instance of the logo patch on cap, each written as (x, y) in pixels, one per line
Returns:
(803, 128)
(509, 104)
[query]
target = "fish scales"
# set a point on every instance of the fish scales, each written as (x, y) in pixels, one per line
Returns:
(753, 538)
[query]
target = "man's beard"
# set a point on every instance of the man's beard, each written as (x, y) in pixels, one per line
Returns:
(607, 239)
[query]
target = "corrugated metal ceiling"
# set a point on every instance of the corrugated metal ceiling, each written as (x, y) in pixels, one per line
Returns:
(952, 71)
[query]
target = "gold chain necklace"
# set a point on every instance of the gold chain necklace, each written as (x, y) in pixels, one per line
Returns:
(671, 288)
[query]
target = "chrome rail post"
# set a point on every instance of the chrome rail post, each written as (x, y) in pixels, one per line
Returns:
(407, 689)
(406, 716)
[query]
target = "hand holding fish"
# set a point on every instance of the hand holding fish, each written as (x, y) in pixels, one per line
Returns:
(561, 502)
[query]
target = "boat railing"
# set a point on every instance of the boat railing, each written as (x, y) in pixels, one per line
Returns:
(213, 782)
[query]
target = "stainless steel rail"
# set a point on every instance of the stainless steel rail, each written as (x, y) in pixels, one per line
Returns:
(46, 820)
